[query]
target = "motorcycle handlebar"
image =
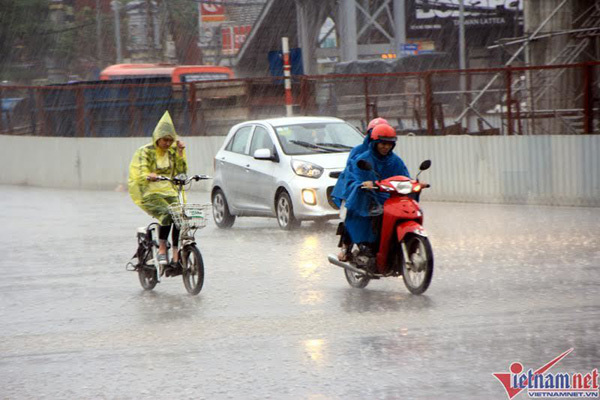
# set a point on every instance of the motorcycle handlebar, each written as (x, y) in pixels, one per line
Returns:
(377, 185)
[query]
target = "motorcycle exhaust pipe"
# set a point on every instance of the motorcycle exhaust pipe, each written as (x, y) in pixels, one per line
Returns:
(334, 260)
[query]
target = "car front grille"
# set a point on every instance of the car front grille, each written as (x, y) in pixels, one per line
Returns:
(330, 200)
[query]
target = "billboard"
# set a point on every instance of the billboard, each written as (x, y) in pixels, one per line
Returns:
(485, 20)
(212, 11)
(211, 14)
(233, 37)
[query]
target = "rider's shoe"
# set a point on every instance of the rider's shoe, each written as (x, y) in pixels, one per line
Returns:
(174, 269)
(162, 259)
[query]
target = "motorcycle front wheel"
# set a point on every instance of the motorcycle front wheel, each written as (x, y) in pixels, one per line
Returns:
(417, 271)
(355, 280)
(193, 269)
(146, 273)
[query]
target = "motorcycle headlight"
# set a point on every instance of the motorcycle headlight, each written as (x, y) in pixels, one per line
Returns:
(403, 187)
(309, 170)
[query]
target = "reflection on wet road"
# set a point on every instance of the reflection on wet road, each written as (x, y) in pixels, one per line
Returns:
(275, 320)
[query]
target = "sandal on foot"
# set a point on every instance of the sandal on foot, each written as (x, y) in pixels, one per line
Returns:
(343, 256)
(162, 259)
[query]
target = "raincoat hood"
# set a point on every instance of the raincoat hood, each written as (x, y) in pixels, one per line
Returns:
(376, 154)
(164, 128)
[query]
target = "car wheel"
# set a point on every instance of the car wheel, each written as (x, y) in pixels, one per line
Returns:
(285, 212)
(221, 214)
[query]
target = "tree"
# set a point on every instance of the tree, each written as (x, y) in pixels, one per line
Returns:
(183, 18)
(23, 37)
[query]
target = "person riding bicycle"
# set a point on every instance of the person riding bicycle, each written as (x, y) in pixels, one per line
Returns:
(359, 202)
(339, 190)
(164, 156)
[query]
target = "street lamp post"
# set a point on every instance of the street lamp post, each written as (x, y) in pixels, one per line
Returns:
(115, 7)
(99, 31)
(462, 51)
(515, 5)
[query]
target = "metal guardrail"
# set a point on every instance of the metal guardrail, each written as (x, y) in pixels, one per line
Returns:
(425, 103)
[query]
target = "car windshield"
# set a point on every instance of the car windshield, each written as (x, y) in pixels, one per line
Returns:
(322, 137)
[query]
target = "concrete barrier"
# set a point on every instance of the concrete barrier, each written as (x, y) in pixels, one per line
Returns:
(86, 163)
(553, 170)
(549, 169)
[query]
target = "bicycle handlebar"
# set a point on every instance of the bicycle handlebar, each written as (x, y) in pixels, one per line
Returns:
(177, 181)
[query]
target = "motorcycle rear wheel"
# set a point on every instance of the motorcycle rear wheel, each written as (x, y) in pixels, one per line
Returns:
(146, 273)
(418, 270)
(355, 280)
(193, 269)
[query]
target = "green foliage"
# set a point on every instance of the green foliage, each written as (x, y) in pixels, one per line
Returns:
(29, 36)
(184, 14)
(23, 24)
(77, 38)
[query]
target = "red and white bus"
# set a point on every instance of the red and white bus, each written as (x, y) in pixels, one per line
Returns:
(177, 73)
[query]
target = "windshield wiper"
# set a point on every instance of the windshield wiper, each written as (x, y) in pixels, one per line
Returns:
(312, 146)
(336, 145)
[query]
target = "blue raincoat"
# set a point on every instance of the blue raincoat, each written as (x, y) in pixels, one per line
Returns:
(339, 190)
(358, 201)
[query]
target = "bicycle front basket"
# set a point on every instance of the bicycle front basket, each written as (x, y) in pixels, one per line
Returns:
(190, 216)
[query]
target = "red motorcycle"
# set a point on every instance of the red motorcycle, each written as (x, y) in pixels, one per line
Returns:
(404, 249)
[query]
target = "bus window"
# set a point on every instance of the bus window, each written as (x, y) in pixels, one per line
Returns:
(198, 73)
(202, 77)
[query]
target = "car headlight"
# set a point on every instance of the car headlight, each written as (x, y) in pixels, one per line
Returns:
(307, 169)
(403, 187)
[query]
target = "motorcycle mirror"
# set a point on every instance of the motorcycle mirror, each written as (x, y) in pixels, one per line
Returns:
(425, 165)
(364, 165)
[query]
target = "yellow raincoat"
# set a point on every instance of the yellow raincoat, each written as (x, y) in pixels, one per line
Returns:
(154, 197)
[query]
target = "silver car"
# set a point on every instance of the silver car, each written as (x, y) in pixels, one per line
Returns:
(283, 168)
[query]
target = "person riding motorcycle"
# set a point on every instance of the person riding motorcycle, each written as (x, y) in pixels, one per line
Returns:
(338, 193)
(359, 202)
(165, 156)
(340, 187)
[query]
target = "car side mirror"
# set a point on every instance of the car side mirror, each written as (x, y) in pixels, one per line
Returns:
(263, 154)
(425, 165)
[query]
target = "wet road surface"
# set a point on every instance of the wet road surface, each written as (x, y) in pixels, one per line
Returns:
(275, 320)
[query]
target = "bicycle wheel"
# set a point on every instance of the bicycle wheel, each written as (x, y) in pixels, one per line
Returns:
(147, 273)
(193, 269)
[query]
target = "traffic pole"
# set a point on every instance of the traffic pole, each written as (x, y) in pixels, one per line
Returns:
(287, 76)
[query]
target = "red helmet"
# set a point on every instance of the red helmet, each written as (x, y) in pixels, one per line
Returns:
(383, 132)
(375, 122)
